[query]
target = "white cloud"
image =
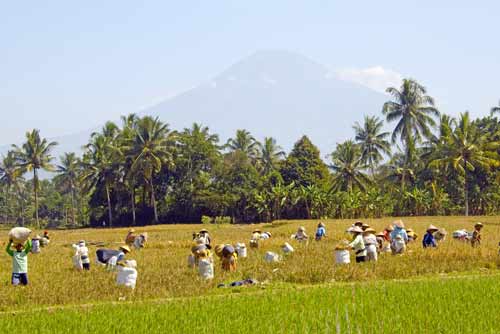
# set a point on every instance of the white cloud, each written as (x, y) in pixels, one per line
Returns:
(376, 78)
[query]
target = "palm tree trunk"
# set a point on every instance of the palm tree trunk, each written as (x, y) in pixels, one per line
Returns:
(133, 205)
(466, 191)
(73, 204)
(153, 199)
(35, 190)
(110, 213)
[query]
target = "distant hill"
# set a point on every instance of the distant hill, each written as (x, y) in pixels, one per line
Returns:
(270, 93)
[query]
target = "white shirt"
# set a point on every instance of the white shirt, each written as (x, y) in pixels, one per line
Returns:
(358, 245)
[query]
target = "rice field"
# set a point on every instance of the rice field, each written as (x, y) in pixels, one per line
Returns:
(307, 290)
(429, 305)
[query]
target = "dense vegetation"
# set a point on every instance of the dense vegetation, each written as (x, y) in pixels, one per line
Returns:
(142, 172)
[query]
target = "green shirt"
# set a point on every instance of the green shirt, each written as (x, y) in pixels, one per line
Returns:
(19, 259)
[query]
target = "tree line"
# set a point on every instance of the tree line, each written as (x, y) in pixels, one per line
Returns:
(142, 172)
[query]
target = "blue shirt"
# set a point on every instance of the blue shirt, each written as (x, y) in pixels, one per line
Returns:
(320, 232)
(399, 231)
(429, 240)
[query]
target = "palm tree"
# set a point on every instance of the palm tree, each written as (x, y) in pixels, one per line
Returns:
(68, 172)
(347, 165)
(10, 176)
(150, 150)
(33, 155)
(495, 109)
(467, 149)
(414, 111)
(100, 165)
(372, 141)
(270, 155)
(244, 142)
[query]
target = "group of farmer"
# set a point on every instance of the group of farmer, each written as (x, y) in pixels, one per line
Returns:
(366, 244)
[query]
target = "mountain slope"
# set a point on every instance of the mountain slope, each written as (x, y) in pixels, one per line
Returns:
(278, 94)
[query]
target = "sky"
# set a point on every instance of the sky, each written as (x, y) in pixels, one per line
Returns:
(69, 66)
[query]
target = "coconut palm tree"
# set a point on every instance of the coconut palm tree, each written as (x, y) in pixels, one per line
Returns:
(33, 155)
(244, 142)
(270, 155)
(347, 166)
(10, 176)
(495, 109)
(414, 111)
(100, 164)
(467, 149)
(150, 150)
(68, 172)
(372, 141)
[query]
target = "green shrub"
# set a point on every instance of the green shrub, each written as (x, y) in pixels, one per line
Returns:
(206, 220)
(223, 220)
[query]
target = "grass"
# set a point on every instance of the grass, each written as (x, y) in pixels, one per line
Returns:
(431, 305)
(163, 272)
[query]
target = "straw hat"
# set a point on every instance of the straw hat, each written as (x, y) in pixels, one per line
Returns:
(389, 228)
(478, 224)
(356, 229)
(302, 228)
(410, 230)
(82, 242)
(365, 225)
(432, 228)
(125, 248)
(257, 230)
(37, 237)
(399, 223)
(321, 225)
(358, 223)
(380, 234)
(203, 231)
(218, 249)
(131, 230)
(369, 230)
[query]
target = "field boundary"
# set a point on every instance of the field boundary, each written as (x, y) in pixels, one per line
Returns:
(276, 289)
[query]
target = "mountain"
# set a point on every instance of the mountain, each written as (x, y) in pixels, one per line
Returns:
(270, 93)
(275, 93)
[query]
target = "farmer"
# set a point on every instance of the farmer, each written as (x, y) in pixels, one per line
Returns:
(111, 256)
(476, 235)
(254, 241)
(301, 234)
(19, 262)
(130, 238)
(387, 232)
(399, 230)
(228, 257)
(429, 240)
(358, 245)
(412, 236)
(82, 252)
(370, 241)
(205, 237)
(320, 232)
(364, 226)
(44, 241)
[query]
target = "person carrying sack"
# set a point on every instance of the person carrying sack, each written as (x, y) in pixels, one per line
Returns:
(81, 257)
(19, 262)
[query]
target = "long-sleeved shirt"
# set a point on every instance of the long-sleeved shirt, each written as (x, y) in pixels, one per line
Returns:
(19, 259)
(320, 232)
(358, 245)
(399, 231)
(428, 240)
(83, 253)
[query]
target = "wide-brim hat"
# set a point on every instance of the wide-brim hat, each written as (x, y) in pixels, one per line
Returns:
(356, 229)
(478, 224)
(358, 223)
(203, 231)
(302, 228)
(380, 234)
(389, 228)
(125, 248)
(131, 230)
(409, 230)
(37, 237)
(257, 230)
(321, 225)
(365, 225)
(399, 223)
(432, 228)
(369, 230)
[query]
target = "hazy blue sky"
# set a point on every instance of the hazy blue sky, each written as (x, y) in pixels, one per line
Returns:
(67, 66)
